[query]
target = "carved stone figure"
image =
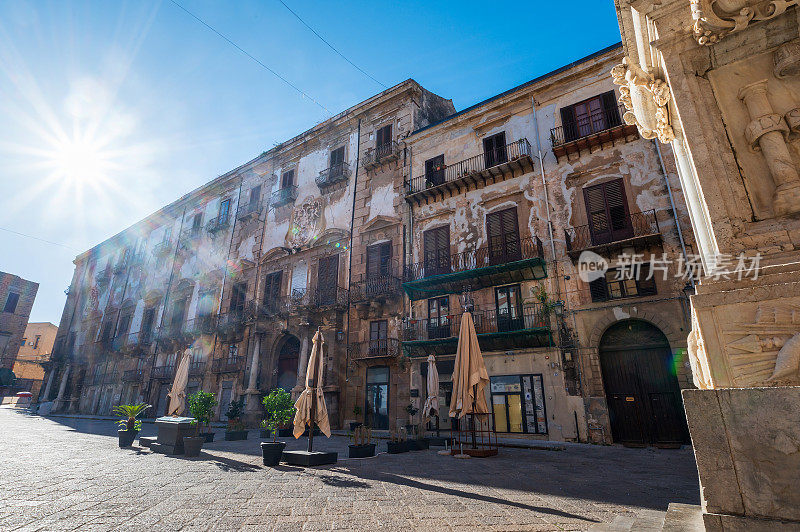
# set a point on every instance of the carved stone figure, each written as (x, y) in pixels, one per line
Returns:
(645, 99)
(307, 223)
(787, 363)
(768, 132)
(714, 19)
(698, 360)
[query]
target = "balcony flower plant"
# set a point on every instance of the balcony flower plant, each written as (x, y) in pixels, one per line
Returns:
(280, 409)
(236, 429)
(129, 424)
(201, 406)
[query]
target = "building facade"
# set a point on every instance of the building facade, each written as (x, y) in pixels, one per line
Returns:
(16, 297)
(376, 226)
(34, 356)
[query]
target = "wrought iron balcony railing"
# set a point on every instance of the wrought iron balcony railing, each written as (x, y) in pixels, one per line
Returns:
(597, 121)
(454, 173)
(486, 322)
(627, 229)
(389, 151)
(381, 348)
(376, 287)
(104, 276)
(275, 306)
(203, 324)
(230, 325)
(283, 196)
(191, 233)
(232, 364)
(132, 375)
(249, 209)
(163, 248)
(111, 378)
(333, 174)
(166, 372)
(218, 223)
(197, 367)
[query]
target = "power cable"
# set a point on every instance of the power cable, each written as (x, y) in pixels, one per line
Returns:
(331, 46)
(245, 52)
(39, 239)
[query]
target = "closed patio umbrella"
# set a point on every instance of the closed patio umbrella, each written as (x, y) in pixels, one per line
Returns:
(432, 402)
(469, 373)
(177, 395)
(311, 403)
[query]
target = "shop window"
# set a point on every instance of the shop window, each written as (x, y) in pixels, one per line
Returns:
(518, 404)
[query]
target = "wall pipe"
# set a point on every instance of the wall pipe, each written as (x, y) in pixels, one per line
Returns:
(350, 251)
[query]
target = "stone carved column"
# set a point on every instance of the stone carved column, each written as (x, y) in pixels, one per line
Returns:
(252, 402)
(767, 132)
(60, 398)
(46, 394)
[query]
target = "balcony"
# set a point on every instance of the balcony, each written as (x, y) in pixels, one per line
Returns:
(375, 157)
(513, 262)
(218, 224)
(111, 378)
(268, 309)
(191, 233)
(197, 368)
(283, 196)
(496, 332)
(490, 167)
(233, 364)
(162, 249)
(377, 288)
(638, 230)
(329, 297)
(129, 343)
(591, 132)
(375, 349)
(132, 375)
(230, 325)
(174, 336)
(163, 372)
(335, 174)
(248, 210)
(104, 276)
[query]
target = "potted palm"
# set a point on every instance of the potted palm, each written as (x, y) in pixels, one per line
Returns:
(280, 409)
(130, 426)
(362, 447)
(201, 406)
(235, 430)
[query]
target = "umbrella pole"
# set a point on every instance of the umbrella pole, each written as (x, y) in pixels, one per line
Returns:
(311, 427)
(474, 391)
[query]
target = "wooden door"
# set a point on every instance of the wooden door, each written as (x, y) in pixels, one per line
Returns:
(436, 244)
(494, 149)
(328, 280)
(503, 233)
(607, 211)
(272, 290)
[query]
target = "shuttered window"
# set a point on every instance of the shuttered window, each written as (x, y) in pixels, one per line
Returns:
(328, 279)
(609, 287)
(255, 197)
(503, 233)
(224, 210)
(590, 116)
(272, 288)
(607, 211)
(287, 179)
(436, 243)
(238, 295)
(383, 137)
(434, 171)
(378, 334)
(439, 317)
(337, 161)
(379, 260)
(494, 149)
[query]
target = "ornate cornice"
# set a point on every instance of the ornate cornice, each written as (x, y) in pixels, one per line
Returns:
(714, 19)
(645, 98)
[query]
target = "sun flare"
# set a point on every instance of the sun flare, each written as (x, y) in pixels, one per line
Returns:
(80, 161)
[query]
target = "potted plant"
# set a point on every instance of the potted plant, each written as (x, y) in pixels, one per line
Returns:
(362, 447)
(235, 430)
(201, 406)
(397, 442)
(280, 409)
(355, 424)
(264, 433)
(130, 426)
(422, 443)
(411, 413)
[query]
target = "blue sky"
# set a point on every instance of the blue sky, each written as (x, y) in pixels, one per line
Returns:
(111, 109)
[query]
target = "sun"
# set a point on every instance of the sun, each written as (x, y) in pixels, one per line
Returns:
(80, 161)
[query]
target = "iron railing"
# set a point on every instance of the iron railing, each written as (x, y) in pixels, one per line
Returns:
(284, 195)
(197, 367)
(163, 372)
(596, 122)
(132, 375)
(163, 248)
(111, 378)
(275, 306)
(191, 232)
(231, 324)
(319, 297)
(381, 348)
(486, 322)
(249, 208)
(378, 154)
(333, 174)
(508, 251)
(104, 276)
(218, 223)
(203, 324)
(370, 287)
(463, 169)
(228, 364)
(637, 224)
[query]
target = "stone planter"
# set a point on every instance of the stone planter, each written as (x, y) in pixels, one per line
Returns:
(271, 452)
(192, 445)
(208, 436)
(234, 435)
(362, 451)
(126, 437)
(395, 447)
(264, 434)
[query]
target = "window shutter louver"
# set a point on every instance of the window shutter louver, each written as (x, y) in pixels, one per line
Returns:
(598, 290)
(568, 124)
(645, 286)
(610, 108)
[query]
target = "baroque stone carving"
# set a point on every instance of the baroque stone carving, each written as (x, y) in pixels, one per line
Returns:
(768, 132)
(645, 98)
(715, 19)
(787, 60)
(307, 223)
(698, 360)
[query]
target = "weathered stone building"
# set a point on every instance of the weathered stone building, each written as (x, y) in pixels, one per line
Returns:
(374, 226)
(16, 300)
(34, 356)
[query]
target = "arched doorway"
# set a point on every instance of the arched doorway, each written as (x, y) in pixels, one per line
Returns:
(639, 375)
(288, 358)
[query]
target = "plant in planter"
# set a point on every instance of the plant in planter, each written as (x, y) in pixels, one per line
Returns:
(422, 443)
(236, 429)
(280, 409)
(356, 413)
(201, 406)
(411, 413)
(362, 447)
(130, 426)
(397, 442)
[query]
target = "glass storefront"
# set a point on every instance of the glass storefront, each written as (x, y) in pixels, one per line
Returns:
(518, 404)
(377, 398)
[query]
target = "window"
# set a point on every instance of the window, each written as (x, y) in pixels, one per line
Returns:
(378, 334)
(503, 233)
(287, 179)
(379, 260)
(255, 197)
(197, 222)
(108, 329)
(238, 296)
(178, 313)
(436, 245)
(224, 210)
(337, 161)
(434, 171)
(494, 149)
(518, 404)
(272, 289)
(147, 324)
(23, 342)
(383, 139)
(590, 116)
(609, 287)
(11, 302)
(328, 280)
(607, 211)
(123, 325)
(509, 308)
(439, 318)
(4, 339)
(36, 341)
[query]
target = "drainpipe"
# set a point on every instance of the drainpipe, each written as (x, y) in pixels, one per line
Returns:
(546, 195)
(674, 211)
(350, 254)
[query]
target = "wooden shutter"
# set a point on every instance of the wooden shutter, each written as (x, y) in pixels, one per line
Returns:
(384, 136)
(337, 156)
(598, 290)
(610, 109)
(494, 149)
(255, 196)
(434, 171)
(379, 258)
(645, 286)
(327, 279)
(272, 288)
(436, 243)
(503, 234)
(607, 211)
(224, 209)
(287, 179)
(568, 123)
(238, 295)
(378, 330)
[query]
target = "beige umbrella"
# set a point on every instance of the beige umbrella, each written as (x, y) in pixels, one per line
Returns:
(469, 373)
(432, 402)
(177, 395)
(311, 403)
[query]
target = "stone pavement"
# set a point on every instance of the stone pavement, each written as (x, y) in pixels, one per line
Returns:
(69, 474)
